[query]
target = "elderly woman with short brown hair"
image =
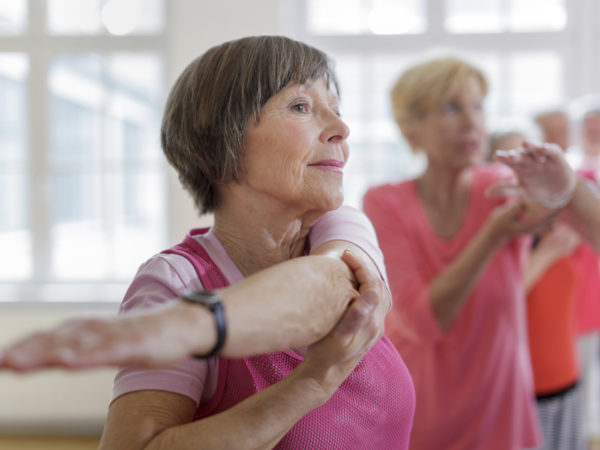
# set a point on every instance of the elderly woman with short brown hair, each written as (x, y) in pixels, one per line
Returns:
(253, 129)
(454, 259)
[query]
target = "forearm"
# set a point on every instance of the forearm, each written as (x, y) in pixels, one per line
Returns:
(450, 289)
(289, 305)
(258, 422)
(584, 209)
(536, 266)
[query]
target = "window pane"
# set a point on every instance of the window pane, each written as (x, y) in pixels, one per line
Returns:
(77, 230)
(528, 90)
(366, 17)
(492, 16)
(13, 16)
(15, 236)
(118, 17)
(13, 92)
(538, 15)
(474, 16)
(377, 151)
(107, 168)
(142, 195)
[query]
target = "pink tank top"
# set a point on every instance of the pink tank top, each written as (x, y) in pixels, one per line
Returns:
(373, 408)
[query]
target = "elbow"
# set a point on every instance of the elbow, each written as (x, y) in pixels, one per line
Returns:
(145, 436)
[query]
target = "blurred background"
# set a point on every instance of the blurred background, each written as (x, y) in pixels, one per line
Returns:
(86, 195)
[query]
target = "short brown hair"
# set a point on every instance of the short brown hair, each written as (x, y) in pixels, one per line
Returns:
(208, 108)
(428, 85)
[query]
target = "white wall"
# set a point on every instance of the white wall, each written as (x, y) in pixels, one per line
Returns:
(55, 401)
(61, 402)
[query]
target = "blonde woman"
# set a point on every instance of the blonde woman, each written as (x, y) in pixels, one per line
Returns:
(454, 258)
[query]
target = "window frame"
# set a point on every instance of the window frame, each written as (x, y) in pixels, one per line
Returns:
(40, 47)
(576, 44)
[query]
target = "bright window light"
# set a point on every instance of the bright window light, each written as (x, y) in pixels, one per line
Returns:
(347, 17)
(116, 17)
(13, 16)
(495, 16)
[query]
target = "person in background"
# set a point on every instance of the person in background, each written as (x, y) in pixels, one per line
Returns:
(590, 133)
(253, 129)
(585, 117)
(555, 126)
(584, 112)
(454, 254)
(551, 283)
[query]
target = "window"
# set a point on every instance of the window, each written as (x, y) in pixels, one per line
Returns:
(525, 48)
(365, 17)
(14, 218)
(82, 178)
(496, 16)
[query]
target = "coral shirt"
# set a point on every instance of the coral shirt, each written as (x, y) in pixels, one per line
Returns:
(587, 305)
(473, 383)
(551, 325)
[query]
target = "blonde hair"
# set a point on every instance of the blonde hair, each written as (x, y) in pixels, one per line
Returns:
(427, 85)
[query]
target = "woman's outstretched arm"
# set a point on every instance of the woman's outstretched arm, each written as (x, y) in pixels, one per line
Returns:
(289, 305)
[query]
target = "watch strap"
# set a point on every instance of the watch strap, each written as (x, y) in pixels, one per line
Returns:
(214, 304)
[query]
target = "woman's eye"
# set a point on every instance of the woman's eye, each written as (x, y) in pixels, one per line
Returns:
(450, 107)
(300, 107)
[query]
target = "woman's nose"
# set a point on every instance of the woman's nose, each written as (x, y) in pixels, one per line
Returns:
(336, 130)
(471, 118)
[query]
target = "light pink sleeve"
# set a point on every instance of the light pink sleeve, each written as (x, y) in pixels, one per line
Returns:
(349, 224)
(412, 316)
(157, 282)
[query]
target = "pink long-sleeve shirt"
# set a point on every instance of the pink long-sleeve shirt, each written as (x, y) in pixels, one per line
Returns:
(473, 383)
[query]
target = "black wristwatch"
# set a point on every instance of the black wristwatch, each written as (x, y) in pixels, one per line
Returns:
(213, 303)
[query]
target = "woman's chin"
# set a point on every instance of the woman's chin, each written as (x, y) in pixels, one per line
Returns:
(330, 203)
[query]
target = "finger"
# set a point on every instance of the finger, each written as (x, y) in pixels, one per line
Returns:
(45, 349)
(540, 153)
(20, 361)
(357, 314)
(359, 268)
(522, 159)
(508, 157)
(351, 260)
